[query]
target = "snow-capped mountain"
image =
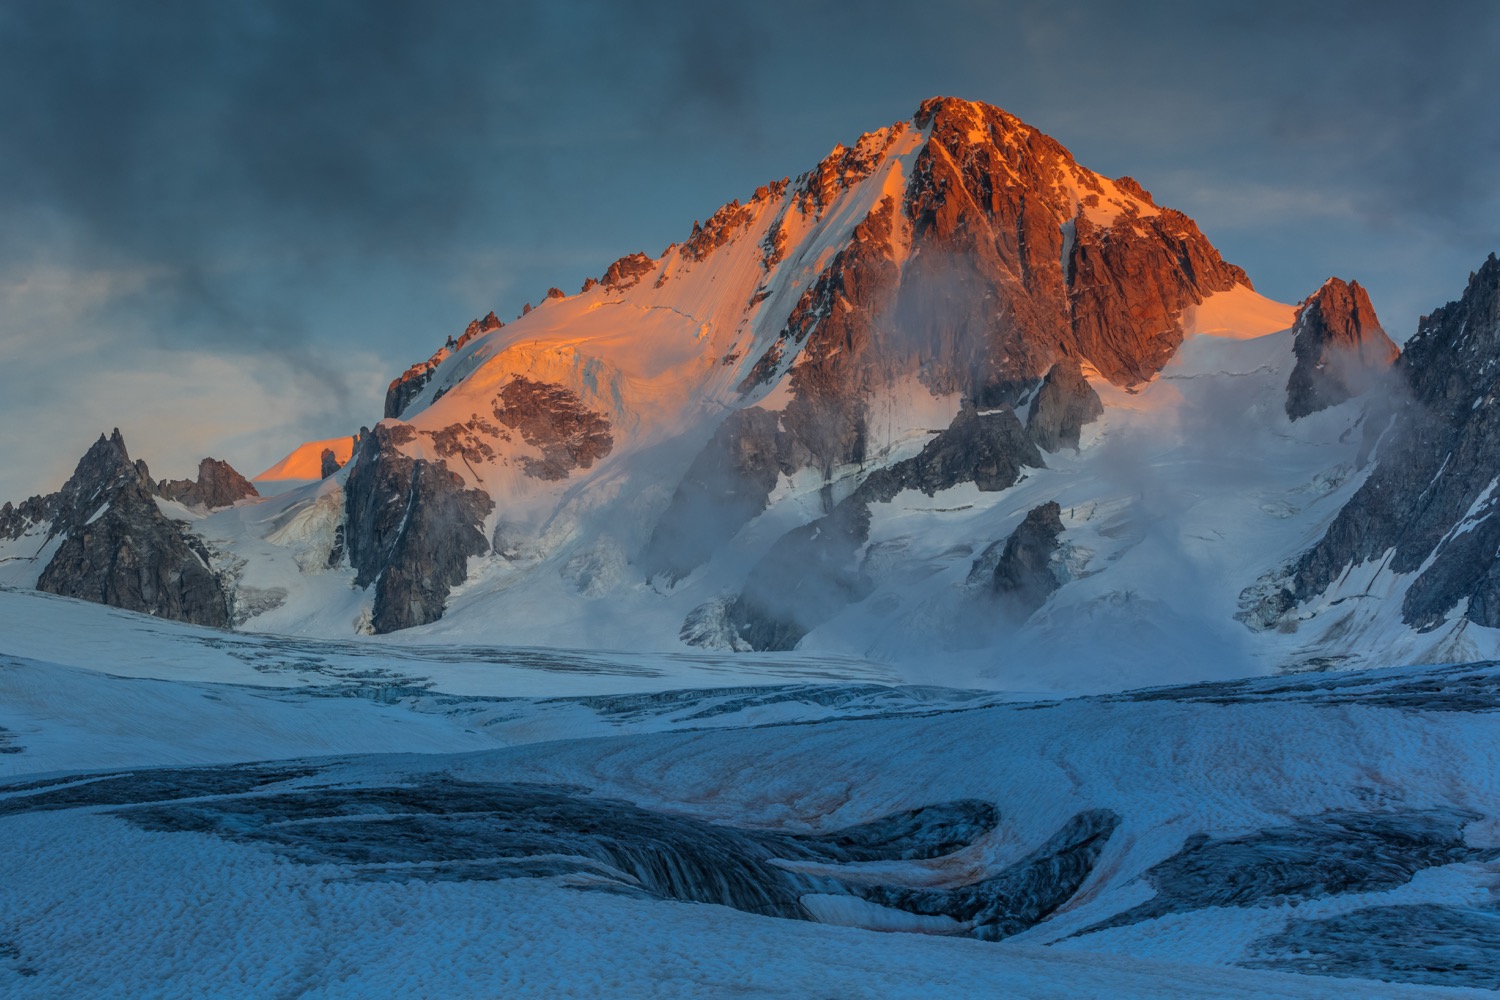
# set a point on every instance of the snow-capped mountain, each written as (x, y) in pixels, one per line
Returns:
(949, 392)
(754, 575)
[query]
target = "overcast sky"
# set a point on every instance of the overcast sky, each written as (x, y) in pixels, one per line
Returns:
(228, 225)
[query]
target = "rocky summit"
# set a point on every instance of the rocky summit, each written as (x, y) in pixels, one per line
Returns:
(103, 538)
(1340, 346)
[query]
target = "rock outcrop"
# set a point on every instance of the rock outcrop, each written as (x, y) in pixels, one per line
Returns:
(479, 327)
(552, 419)
(1428, 506)
(1341, 349)
(218, 485)
(1064, 404)
(1023, 573)
(409, 384)
(329, 464)
(30, 514)
(628, 270)
(410, 527)
(119, 549)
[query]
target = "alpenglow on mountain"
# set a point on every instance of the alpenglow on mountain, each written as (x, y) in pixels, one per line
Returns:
(948, 397)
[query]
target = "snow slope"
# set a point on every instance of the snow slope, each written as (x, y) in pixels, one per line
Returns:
(303, 464)
(1343, 825)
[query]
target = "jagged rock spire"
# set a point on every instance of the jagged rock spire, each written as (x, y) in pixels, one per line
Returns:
(1341, 348)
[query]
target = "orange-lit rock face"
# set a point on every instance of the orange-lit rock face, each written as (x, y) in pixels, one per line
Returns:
(551, 419)
(1074, 263)
(1341, 348)
(628, 270)
(1000, 257)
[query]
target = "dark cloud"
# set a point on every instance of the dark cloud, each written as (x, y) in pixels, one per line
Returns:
(255, 149)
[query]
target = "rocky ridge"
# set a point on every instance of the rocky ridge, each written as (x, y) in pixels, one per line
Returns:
(407, 386)
(1427, 506)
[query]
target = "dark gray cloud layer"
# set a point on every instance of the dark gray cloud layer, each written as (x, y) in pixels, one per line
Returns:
(301, 180)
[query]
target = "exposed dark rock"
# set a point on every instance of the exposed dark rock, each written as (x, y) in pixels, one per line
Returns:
(808, 576)
(31, 513)
(728, 484)
(1024, 574)
(988, 449)
(339, 548)
(409, 385)
(773, 246)
(556, 293)
(411, 526)
(1063, 406)
(552, 418)
(627, 271)
(721, 227)
(812, 572)
(479, 327)
(1434, 470)
(104, 468)
(330, 464)
(119, 549)
(218, 485)
(1340, 346)
(469, 440)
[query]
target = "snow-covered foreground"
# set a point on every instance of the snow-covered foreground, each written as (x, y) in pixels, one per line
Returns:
(598, 825)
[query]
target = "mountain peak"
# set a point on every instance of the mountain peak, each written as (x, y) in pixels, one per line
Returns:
(956, 111)
(1340, 345)
(218, 485)
(817, 331)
